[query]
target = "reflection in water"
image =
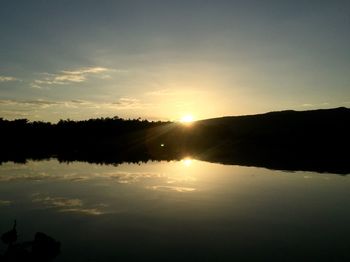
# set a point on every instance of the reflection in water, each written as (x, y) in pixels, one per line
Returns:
(63, 204)
(184, 210)
(187, 161)
(173, 188)
(5, 202)
(42, 249)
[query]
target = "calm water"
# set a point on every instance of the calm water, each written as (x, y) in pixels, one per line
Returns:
(178, 211)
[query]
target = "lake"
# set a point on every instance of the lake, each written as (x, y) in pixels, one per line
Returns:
(185, 210)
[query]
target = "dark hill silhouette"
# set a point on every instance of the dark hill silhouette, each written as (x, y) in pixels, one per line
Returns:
(315, 140)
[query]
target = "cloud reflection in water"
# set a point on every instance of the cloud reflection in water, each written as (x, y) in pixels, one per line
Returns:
(172, 188)
(5, 202)
(63, 204)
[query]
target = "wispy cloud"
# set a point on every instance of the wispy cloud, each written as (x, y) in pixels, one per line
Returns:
(307, 105)
(66, 77)
(316, 105)
(161, 92)
(8, 79)
(120, 104)
(127, 103)
(41, 108)
(36, 103)
(174, 92)
(85, 70)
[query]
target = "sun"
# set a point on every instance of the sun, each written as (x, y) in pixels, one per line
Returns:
(187, 119)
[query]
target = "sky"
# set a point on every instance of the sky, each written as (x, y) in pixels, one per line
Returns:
(162, 60)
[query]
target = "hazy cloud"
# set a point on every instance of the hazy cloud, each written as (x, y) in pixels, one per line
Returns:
(122, 103)
(6, 101)
(38, 108)
(316, 105)
(161, 92)
(36, 103)
(128, 103)
(86, 70)
(174, 92)
(78, 101)
(307, 105)
(8, 78)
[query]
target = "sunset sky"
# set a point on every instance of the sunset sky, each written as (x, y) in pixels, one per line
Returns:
(162, 60)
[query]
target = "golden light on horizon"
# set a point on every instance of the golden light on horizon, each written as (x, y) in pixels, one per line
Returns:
(187, 119)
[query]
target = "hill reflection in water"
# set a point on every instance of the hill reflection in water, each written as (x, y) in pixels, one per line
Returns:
(178, 210)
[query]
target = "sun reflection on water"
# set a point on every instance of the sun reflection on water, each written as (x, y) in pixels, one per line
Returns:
(187, 161)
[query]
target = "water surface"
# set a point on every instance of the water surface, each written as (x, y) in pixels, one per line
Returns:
(185, 210)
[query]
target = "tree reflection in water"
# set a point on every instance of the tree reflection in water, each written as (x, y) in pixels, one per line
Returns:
(42, 249)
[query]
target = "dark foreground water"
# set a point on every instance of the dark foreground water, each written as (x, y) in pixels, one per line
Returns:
(178, 211)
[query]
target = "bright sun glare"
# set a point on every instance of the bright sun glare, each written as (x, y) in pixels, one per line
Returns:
(186, 119)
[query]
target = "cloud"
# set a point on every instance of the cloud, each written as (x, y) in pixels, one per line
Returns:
(6, 101)
(66, 77)
(78, 101)
(86, 70)
(161, 92)
(307, 105)
(12, 108)
(127, 103)
(175, 91)
(15, 113)
(36, 103)
(40, 102)
(122, 103)
(8, 79)
(316, 105)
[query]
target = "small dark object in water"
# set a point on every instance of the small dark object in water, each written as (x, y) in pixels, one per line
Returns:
(42, 249)
(10, 237)
(45, 248)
